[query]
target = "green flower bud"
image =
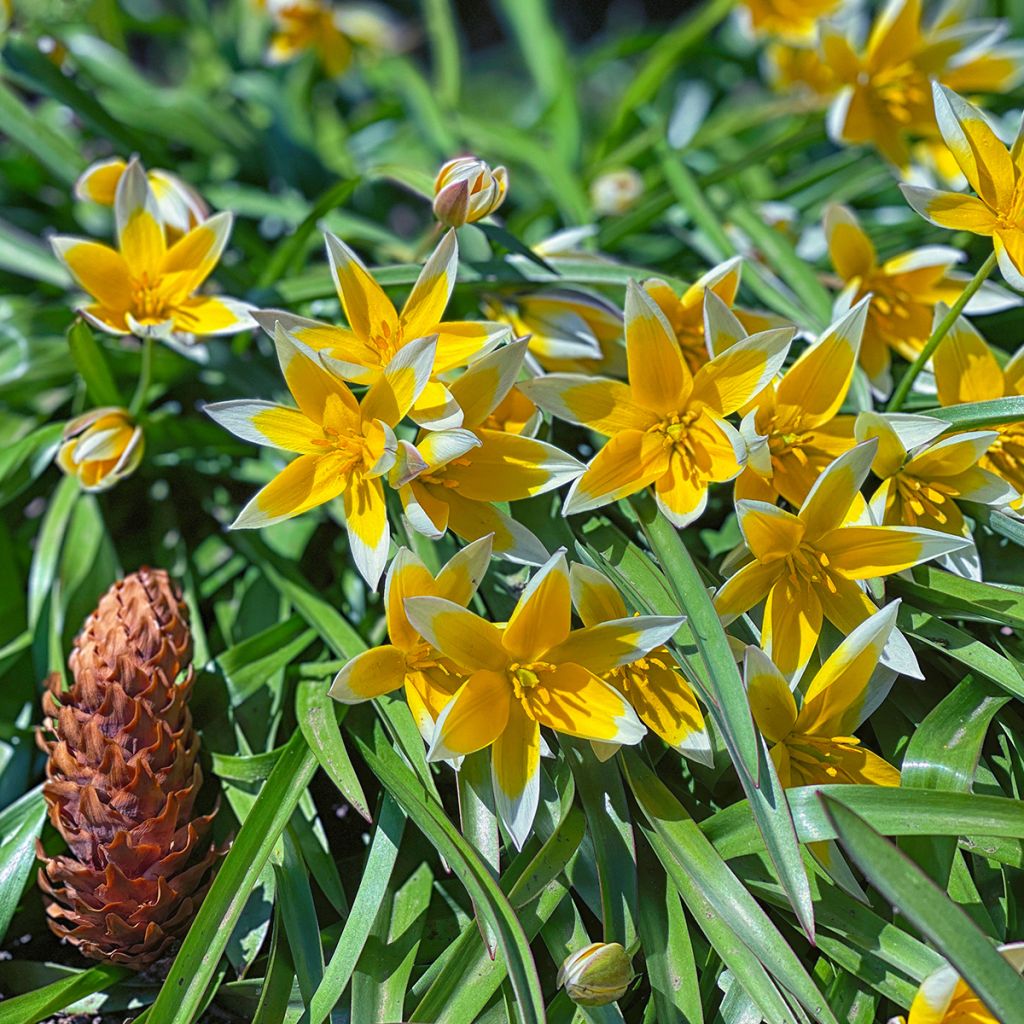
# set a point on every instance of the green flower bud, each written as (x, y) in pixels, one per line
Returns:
(596, 975)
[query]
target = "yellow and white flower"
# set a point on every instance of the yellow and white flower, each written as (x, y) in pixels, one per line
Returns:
(467, 190)
(101, 448)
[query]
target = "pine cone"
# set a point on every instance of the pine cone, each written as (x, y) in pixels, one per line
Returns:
(122, 778)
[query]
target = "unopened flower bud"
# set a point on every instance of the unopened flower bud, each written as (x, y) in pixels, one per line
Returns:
(596, 975)
(616, 192)
(466, 189)
(101, 448)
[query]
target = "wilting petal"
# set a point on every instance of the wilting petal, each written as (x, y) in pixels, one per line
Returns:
(573, 701)
(608, 645)
(626, 464)
(370, 674)
(481, 388)
(658, 376)
(849, 248)
(965, 368)
(736, 375)
(599, 403)
(392, 395)
(426, 304)
(815, 386)
(834, 700)
(595, 598)
(268, 424)
(474, 718)
(368, 310)
(471, 642)
(834, 492)
(310, 384)
(515, 774)
(951, 209)
(306, 482)
(746, 588)
(542, 615)
(864, 552)
(510, 467)
(100, 270)
(770, 532)
(460, 577)
(366, 520)
(792, 625)
(771, 700)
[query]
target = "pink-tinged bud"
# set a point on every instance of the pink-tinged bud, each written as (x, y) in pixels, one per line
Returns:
(596, 975)
(101, 448)
(466, 190)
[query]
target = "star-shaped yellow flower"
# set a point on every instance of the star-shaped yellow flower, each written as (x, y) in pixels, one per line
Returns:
(994, 171)
(144, 286)
(667, 426)
(966, 370)
(534, 671)
(309, 25)
(407, 660)
(377, 332)
(814, 745)
(794, 431)
(345, 447)
(795, 20)
(811, 566)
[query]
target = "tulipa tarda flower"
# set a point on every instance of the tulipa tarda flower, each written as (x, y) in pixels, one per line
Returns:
(407, 660)
(793, 432)
(995, 172)
(966, 370)
(654, 684)
(533, 671)
(101, 448)
(884, 97)
(344, 447)
(145, 286)
(667, 426)
(814, 745)
(181, 208)
(569, 330)
(685, 312)
(467, 190)
(452, 478)
(904, 291)
(314, 26)
(945, 998)
(811, 566)
(377, 332)
(793, 20)
(924, 475)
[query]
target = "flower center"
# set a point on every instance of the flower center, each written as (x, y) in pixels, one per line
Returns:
(529, 683)
(387, 340)
(810, 564)
(923, 499)
(148, 302)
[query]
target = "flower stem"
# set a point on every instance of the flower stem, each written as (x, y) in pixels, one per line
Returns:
(145, 377)
(899, 396)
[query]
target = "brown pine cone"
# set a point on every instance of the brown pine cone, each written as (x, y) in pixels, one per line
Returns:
(122, 778)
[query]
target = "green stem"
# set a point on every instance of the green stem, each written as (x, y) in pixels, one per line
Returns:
(899, 396)
(145, 378)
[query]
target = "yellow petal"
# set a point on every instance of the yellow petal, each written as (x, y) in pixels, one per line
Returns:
(310, 384)
(626, 464)
(951, 209)
(426, 304)
(471, 520)
(370, 313)
(736, 375)
(515, 774)
(98, 182)
(306, 482)
(771, 700)
(100, 270)
(407, 577)
(392, 394)
(366, 520)
(594, 596)
(269, 424)
(746, 588)
(658, 375)
(616, 642)
(665, 703)
(864, 552)
(193, 257)
(370, 674)
(474, 718)
(471, 642)
(965, 368)
(601, 404)
(792, 625)
(140, 233)
(849, 248)
(211, 315)
(459, 578)
(542, 614)
(484, 384)
(830, 499)
(770, 532)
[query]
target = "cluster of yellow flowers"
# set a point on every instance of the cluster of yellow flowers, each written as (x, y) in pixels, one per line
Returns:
(680, 391)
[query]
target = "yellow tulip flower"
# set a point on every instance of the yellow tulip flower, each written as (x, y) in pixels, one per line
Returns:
(467, 190)
(145, 286)
(945, 998)
(407, 660)
(810, 566)
(685, 312)
(884, 98)
(308, 25)
(794, 431)
(924, 475)
(534, 671)
(814, 745)
(101, 448)
(995, 172)
(966, 370)
(904, 291)
(654, 684)
(376, 331)
(793, 20)
(451, 479)
(344, 447)
(666, 427)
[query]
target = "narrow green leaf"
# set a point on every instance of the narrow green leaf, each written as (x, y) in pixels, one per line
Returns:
(978, 415)
(17, 858)
(33, 134)
(443, 36)
(33, 1007)
(298, 915)
(48, 546)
